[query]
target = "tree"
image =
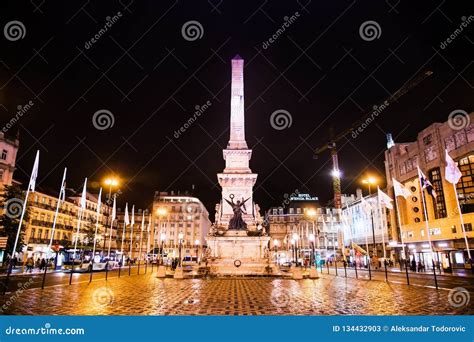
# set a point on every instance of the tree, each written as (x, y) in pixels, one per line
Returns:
(11, 204)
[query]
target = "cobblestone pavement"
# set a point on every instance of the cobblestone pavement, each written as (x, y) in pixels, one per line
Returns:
(147, 295)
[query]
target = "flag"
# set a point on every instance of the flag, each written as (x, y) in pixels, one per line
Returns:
(99, 202)
(34, 173)
(114, 209)
(83, 197)
(143, 221)
(62, 192)
(133, 215)
(384, 199)
(426, 184)
(149, 224)
(400, 190)
(452, 173)
(126, 219)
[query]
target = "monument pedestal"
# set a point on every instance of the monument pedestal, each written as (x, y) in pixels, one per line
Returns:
(235, 253)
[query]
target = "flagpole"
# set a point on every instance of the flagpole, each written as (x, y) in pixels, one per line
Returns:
(95, 233)
(381, 224)
(140, 248)
(58, 205)
(81, 208)
(462, 222)
(131, 244)
(401, 228)
(427, 226)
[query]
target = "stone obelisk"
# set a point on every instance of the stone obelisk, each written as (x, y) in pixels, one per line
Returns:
(235, 250)
(237, 179)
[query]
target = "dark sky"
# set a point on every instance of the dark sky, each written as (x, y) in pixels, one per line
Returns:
(150, 78)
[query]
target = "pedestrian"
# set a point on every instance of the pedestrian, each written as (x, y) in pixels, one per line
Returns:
(30, 264)
(42, 264)
(413, 265)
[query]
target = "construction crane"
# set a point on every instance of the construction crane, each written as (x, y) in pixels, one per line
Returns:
(334, 139)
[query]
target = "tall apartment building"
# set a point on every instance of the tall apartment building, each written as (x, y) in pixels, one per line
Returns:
(175, 214)
(428, 152)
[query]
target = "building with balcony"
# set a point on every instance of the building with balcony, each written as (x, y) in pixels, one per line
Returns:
(445, 231)
(179, 218)
(8, 151)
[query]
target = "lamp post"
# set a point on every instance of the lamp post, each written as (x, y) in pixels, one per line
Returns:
(295, 270)
(111, 182)
(178, 273)
(196, 244)
(276, 243)
(161, 273)
(313, 272)
(369, 181)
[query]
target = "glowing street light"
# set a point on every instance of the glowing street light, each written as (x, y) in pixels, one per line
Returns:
(197, 243)
(161, 211)
(369, 181)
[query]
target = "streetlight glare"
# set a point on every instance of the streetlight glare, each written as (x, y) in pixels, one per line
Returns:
(197, 242)
(161, 211)
(370, 180)
(111, 182)
(311, 237)
(311, 212)
(336, 173)
(163, 237)
(276, 242)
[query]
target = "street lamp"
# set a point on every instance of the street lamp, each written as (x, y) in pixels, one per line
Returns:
(180, 241)
(276, 243)
(295, 238)
(336, 173)
(196, 244)
(162, 240)
(369, 181)
(111, 182)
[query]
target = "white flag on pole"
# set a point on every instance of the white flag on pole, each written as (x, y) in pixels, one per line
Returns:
(400, 189)
(126, 219)
(84, 196)
(133, 215)
(114, 209)
(451, 173)
(34, 173)
(99, 201)
(365, 206)
(143, 221)
(149, 224)
(62, 192)
(385, 199)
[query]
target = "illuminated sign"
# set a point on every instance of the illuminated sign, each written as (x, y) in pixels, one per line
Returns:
(304, 197)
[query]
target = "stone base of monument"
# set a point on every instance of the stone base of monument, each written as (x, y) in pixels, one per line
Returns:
(237, 254)
(296, 273)
(161, 272)
(178, 273)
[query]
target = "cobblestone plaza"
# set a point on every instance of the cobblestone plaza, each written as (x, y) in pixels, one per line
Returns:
(148, 295)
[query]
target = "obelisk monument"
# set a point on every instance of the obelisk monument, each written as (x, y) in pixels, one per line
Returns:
(237, 243)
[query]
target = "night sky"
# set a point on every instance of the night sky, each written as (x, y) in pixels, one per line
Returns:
(151, 78)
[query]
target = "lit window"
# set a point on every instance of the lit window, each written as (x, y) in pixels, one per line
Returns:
(4, 155)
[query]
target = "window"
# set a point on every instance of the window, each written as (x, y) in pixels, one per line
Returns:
(453, 229)
(427, 139)
(416, 209)
(417, 219)
(439, 204)
(468, 227)
(275, 211)
(1, 174)
(435, 231)
(410, 234)
(4, 155)
(414, 199)
(292, 210)
(422, 232)
(465, 186)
